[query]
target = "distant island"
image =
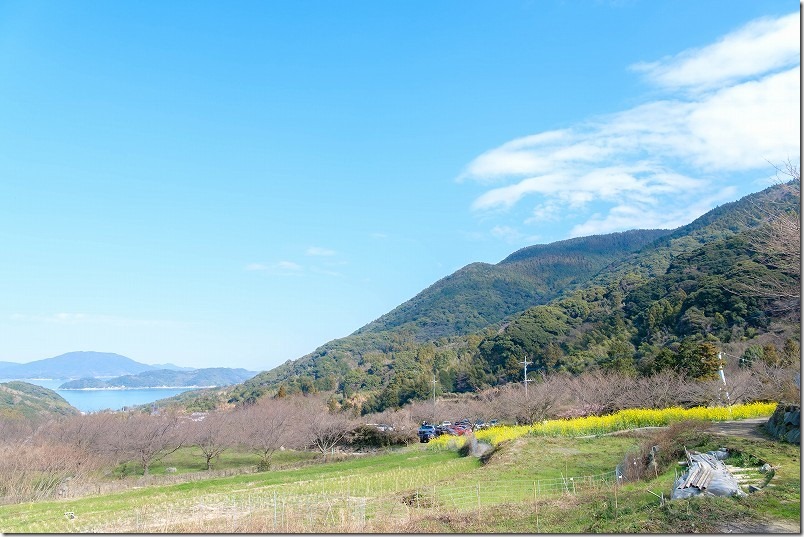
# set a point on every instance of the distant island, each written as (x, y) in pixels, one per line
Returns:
(80, 364)
(164, 378)
(110, 371)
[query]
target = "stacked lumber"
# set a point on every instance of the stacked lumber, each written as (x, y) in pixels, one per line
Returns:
(705, 474)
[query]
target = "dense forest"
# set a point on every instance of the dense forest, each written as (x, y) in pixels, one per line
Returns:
(636, 303)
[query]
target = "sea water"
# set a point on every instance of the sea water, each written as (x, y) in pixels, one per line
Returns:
(95, 400)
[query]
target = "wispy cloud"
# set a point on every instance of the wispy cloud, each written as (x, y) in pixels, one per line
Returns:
(317, 251)
(731, 107)
(291, 268)
(280, 267)
(755, 49)
(73, 318)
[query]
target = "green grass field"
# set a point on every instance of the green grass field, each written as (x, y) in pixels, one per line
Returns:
(528, 484)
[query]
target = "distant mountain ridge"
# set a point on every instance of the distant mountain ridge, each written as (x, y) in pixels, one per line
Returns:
(481, 294)
(109, 365)
(206, 378)
(75, 365)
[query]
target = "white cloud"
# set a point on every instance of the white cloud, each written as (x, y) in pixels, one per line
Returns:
(320, 252)
(755, 49)
(281, 267)
(70, 318)
(288, 265)
(639, 216)
(659, 164)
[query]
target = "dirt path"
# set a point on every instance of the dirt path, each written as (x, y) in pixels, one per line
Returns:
(753, 428)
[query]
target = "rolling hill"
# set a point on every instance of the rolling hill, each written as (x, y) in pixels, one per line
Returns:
(21, 400)
(636, 300)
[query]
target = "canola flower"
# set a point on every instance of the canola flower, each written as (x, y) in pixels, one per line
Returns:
(630, 418)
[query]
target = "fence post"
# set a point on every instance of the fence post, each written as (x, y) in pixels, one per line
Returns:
(275, 513)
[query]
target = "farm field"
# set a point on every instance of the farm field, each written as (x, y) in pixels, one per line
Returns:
(528, 484)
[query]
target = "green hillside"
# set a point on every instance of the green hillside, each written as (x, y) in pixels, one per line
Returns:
(636, 302)
(481, 294)
(21, 400)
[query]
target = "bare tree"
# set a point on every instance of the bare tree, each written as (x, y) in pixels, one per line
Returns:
(483, 406)
(89, 432)
(13, 430)
(213, 434)
(597, 393)
(660, 390)
(778, 382)
(267, 426)
(541, 401)
(321, 428)
(146, 438)
(778, 244)
(38, 469)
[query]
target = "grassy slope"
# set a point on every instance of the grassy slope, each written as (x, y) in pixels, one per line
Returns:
(22, 400)
(383, 482)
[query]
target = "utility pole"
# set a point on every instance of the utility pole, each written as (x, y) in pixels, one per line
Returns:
(434, 390)
(723, 378)
(525, 378)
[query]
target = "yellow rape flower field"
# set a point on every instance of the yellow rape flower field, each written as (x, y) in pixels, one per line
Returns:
(631, 418)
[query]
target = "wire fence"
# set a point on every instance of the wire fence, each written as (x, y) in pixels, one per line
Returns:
(272, 510)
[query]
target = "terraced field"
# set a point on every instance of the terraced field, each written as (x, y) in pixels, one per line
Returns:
(528, 484)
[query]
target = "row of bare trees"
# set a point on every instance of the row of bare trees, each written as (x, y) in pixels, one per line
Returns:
(38, 462)
(272, 424)
(597, 393)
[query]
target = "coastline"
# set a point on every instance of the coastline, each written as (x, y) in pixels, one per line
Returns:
(118, 388)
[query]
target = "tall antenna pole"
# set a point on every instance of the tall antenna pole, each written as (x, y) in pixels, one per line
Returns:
(525, 378)
(434, 388)
(723, 378)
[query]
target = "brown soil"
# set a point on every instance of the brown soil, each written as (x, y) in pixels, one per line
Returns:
(753, 428)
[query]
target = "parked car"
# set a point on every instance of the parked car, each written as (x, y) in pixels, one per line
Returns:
(461, 429)
(426, 433)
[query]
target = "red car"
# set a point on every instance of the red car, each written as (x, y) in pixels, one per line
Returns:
(460, 429)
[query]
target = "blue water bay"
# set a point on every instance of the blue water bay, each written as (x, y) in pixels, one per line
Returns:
(95, 400)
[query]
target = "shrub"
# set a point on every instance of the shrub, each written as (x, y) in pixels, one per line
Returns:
(663, 449)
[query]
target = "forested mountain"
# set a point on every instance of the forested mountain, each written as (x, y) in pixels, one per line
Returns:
(482, 294)
(636, 302)
(212, 376)
(20, 400)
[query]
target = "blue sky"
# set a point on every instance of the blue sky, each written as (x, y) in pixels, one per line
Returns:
(237, 183)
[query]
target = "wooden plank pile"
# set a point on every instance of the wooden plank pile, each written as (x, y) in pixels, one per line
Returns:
(706, 474)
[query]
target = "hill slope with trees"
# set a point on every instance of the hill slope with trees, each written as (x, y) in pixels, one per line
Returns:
(21, 400)
(635, 302)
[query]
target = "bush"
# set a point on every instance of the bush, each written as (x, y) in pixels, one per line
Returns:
(663, 449)
(368, 436)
